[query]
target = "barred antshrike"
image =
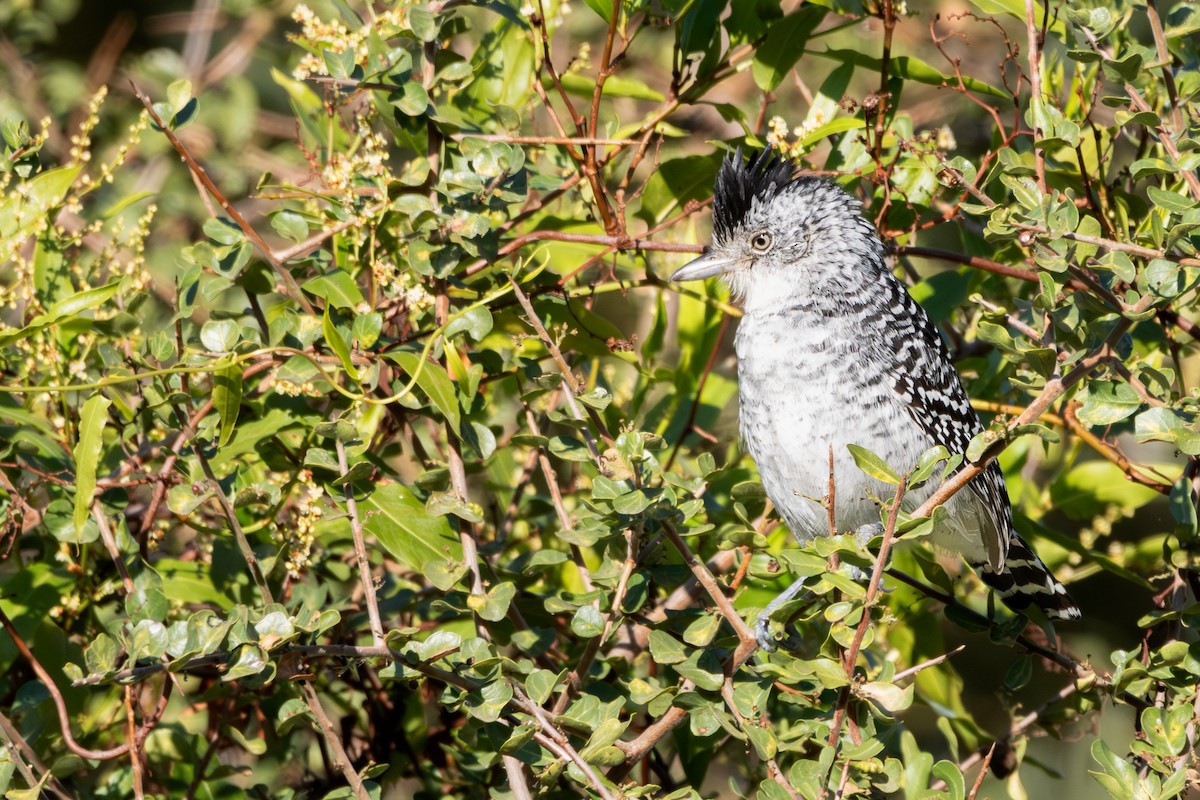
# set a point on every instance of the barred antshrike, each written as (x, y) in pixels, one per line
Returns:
(832, 351)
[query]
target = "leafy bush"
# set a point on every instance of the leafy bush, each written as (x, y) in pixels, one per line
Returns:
(399, 469)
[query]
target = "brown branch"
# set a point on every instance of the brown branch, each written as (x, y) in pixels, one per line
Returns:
(17, 743)
(851, 656)
(613, 225)
(60, 705)
(556, 742)
(1110, 453)
(360, 549)
(885, 60)
(1034, 38)
(293, 289)
(135, 756)
(543, 140)
(983, 771)
(924, 665)
(985, 264)
(1164, 59)
(745, 636)
(458, 478)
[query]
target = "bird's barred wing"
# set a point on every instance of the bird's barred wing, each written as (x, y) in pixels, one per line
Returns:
(931, 392)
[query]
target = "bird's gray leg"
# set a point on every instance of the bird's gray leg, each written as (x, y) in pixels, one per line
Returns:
(762, 626)
(863, 536)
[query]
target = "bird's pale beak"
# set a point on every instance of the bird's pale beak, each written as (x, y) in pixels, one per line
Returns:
(708, 265)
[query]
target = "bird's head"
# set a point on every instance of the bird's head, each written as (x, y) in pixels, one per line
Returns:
(779, 236)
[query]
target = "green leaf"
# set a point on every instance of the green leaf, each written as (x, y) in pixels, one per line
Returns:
(1019, 674)
(220, 335)
(290, 226)
(1167, 425)
(910, 68)
(784, 45)
(888, 696)
(602, 7)
(1108, 402)
(832, 128)
(416, 539)
(424, 23)
(20, 211)
(949, 773)
(665, 649)
(704, 668)
(1171, 201)
(873, 465)
(1118, 778)
(434, 382)
(366, 329)
(631, 503)
(569, 448)
(493, 606)
(227, 399)
(588, 622)
(337, 343)
(335, 287)
(585, 86)
(179, 94)
(67, 308)
(477, 323)
(412, 100)
(92, 420)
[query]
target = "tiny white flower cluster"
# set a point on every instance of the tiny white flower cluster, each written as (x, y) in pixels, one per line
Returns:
(387, 276)
(335, 37)
(298, 527)
(344, 172)
(81, 142)
(789, 142)
(290, 389)
(418, 297)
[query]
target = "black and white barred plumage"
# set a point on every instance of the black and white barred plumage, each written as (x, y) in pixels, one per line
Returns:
(832, 350)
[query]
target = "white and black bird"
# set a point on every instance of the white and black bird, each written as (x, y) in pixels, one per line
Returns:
(832, 351)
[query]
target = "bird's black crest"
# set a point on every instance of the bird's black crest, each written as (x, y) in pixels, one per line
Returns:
(739, 182)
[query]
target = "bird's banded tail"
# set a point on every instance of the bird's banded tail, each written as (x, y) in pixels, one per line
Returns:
(1025, 581)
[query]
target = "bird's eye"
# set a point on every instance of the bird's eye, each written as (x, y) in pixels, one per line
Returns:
(761, 242)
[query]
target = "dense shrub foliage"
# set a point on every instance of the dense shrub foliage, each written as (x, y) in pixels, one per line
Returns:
(353, 444)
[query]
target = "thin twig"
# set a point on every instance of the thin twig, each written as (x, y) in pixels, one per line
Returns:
(514, 770)
(235, 526)
(24, 757)
(569, 384)
(924, 665)
(360, 549)
(341, 761)
(556, 741)
(983, 771)
(746, 636)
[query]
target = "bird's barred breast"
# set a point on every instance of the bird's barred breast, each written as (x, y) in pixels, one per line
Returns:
(807, 388)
